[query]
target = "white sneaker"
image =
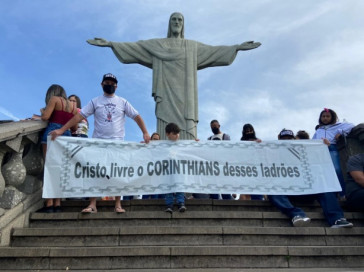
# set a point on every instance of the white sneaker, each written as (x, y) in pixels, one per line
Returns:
(300, 221)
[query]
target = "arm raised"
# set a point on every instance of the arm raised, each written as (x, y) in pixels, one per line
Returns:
(99, 42)
(248, 45)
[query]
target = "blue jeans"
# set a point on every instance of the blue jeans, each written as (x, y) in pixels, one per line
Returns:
(328, 201)
(180, 197)
(335, 157)
(285, 206)
(256, 197)
(53, 126)
(330, 206)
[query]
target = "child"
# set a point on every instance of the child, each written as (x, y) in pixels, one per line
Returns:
(330, 131)
(82, 127)
(172, 133)
(302, 135)
(58, 111)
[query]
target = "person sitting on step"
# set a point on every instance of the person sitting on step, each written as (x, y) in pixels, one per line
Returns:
(328, 201)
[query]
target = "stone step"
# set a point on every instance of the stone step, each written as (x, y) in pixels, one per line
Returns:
(183, 236)
(188, 218)
(170, 257)
(214, 270)
(192, 205)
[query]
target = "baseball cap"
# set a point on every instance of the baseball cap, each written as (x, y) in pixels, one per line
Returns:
(286, 133)
(109, 76)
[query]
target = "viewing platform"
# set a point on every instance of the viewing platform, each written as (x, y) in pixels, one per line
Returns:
(212, 235)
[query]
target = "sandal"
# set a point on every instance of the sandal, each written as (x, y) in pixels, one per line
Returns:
(89, 209)
(119, 210)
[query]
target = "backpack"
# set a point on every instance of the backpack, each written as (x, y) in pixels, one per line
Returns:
(223, 138)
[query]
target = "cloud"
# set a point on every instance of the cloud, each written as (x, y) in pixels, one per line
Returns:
(315, 12)
(311, 57)
(342, 56)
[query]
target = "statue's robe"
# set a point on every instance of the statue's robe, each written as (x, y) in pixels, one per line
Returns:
(175, 63)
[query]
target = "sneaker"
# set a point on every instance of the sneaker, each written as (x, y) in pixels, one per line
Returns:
(300, 221)
(182, 208)
(342, 223)
(169, 209)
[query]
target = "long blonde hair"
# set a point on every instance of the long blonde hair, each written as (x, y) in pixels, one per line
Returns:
(56, 90)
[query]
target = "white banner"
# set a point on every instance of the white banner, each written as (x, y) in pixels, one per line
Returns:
(79, 167)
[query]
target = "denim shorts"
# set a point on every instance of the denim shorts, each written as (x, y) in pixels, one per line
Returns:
(50, 128)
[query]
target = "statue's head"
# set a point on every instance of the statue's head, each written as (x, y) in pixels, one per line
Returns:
(176, 28)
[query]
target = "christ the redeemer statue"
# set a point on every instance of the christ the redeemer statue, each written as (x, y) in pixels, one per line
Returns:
(175, 62)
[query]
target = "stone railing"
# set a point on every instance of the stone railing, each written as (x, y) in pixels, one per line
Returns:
(21, 174)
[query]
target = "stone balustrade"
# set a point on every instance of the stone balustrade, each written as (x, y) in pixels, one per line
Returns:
(21, 175)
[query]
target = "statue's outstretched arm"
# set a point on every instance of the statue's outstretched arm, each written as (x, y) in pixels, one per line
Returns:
(99, 42)
(248, 45)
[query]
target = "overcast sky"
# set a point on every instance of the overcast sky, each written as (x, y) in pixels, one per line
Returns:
(311, 57)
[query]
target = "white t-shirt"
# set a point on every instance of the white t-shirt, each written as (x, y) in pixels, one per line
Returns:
(109, 115)
(220, 136)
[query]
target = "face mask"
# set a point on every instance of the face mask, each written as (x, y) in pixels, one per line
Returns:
(249, 136)
(215, 130)
(109, 89)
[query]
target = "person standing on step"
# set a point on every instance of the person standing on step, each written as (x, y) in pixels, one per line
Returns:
(155, 137)
(330, 130)
(82, 127)
(248, 134)
(328, 201)
(218, 136)
(109, 112)
(172, 133)
(58, 111)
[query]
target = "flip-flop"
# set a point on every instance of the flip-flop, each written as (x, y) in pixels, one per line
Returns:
(89, 209)
(119, 210)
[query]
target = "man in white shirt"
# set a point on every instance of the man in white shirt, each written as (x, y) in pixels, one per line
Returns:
(109, 112)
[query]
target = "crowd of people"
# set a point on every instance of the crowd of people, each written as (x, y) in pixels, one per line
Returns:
(66, 117)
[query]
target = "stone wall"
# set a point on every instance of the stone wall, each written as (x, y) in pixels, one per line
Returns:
(21, 174)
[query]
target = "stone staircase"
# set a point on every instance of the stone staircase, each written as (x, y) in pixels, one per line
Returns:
(212, 235)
